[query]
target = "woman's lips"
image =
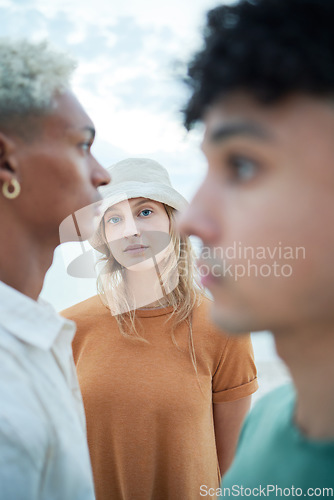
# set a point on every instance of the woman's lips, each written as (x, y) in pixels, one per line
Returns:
(134, 249)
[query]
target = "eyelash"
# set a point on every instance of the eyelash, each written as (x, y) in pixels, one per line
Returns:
(146, 210)
(234, 163)
(85, 146)
(113, 217)
(116, 217)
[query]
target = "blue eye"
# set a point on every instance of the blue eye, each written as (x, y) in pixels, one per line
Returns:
(114, 220)
(243, 169)
(146, 212)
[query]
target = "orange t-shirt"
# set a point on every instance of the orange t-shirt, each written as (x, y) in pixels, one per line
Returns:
(149, 417)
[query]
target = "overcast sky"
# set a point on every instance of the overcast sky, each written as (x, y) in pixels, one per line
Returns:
(128, 54)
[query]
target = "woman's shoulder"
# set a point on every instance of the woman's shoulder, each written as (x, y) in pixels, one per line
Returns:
(92, 318)
(221, 348)
(202, 322)
(202, 315)
(86, 309)
(205, 327)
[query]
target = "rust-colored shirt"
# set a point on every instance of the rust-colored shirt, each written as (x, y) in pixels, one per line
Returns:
(149, 416)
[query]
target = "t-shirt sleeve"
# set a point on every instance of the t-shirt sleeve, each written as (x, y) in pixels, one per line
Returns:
(235, 376)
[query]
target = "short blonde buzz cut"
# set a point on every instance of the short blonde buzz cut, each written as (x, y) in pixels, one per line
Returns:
(30, 76)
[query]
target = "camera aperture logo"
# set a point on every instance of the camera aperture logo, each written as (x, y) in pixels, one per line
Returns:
(238, 261)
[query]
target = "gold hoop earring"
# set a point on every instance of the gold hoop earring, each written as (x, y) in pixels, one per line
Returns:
(15, 189)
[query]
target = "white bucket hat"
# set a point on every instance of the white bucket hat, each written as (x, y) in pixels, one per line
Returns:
(137, 178)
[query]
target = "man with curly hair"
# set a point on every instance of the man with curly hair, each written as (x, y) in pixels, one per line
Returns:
(47, 173)
(264, 86)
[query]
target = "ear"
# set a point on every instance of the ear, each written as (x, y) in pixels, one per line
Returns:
(8, 163)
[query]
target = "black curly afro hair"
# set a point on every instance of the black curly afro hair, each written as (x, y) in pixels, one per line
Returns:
(268, 48)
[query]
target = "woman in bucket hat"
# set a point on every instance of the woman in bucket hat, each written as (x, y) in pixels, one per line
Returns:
(164, 391)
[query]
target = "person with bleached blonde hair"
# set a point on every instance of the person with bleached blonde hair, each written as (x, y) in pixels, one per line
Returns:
(47, 173)
(164, 391)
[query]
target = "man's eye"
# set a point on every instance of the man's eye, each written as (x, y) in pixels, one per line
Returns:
(85, 146)
(242, 168)
(146, 212)
(114, 220)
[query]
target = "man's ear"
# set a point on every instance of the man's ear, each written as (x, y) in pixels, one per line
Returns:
(8, 163)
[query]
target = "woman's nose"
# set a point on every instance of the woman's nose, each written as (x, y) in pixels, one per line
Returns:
(130, 228)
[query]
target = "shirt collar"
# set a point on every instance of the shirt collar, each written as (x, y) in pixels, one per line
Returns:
(35, 323)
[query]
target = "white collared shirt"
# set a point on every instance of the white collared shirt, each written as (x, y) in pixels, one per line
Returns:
(43, 447)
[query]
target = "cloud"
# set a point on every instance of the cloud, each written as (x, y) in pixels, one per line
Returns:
(13, 24)
(125, 79)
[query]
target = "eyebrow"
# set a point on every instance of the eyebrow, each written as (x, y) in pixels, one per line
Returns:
(224, 132)
(143, 202)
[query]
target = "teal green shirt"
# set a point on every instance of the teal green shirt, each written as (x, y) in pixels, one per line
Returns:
(273, 454)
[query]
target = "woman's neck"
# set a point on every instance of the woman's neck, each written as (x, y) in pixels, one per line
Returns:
(146, 289)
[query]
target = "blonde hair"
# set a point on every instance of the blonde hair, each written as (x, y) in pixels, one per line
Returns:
(182, 298)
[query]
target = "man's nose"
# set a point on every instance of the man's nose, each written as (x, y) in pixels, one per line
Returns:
(100, 176)
(199, 218)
